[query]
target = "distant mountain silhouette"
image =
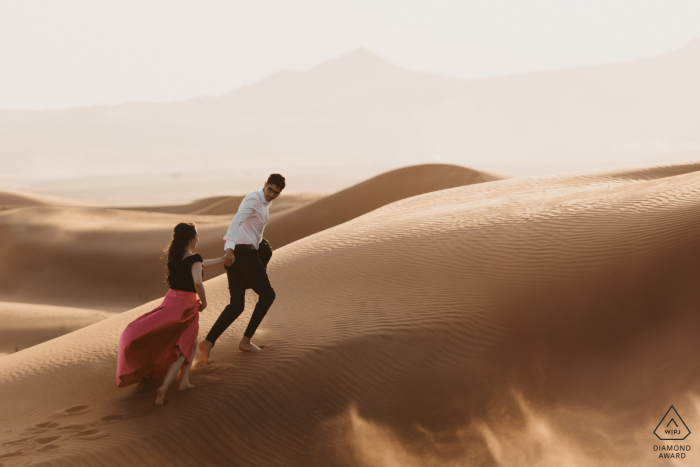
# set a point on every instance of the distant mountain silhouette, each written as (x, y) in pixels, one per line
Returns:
(359, 109)
(356, 74)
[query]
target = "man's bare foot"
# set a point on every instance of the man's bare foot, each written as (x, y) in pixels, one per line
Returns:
(204, 348)
(160, 399)
(248, 347)
(185, 386)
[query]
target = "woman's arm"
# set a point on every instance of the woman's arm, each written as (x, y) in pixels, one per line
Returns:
(198, 285)
(212, 262)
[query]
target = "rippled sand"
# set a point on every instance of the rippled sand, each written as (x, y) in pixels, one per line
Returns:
(539, 321)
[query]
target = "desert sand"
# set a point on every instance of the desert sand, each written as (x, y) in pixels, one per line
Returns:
(24, 325)
(532, 321)
(367, 196)
(13, 200)
(48, 254)
(228, 205)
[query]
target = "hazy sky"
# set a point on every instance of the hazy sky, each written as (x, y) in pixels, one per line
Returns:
(77, 53)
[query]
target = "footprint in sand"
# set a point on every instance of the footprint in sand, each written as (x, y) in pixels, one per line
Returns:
(90, 435)
(47, 425)
(46, 440)
(103, 420)
(72, 427)
(40, 428)
(77, 410)
(71, 411)
(15, 441)
(31, 442)
(13, 454)
(109, 418)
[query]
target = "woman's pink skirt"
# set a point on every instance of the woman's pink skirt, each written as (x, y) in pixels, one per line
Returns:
(150, 343)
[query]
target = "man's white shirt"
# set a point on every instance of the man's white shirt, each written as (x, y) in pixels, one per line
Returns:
(248, 224)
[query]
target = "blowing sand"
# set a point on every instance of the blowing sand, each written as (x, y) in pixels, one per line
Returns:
(541, 321)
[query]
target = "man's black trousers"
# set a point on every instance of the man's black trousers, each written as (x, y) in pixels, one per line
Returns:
(249, 270)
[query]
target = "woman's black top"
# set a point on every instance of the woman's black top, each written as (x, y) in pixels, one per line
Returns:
(180, 273)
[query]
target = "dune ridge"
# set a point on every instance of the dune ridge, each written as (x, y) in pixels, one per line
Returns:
(369, 195)
(522, 322)
(48, 253)
(227, 205)
(13, 199)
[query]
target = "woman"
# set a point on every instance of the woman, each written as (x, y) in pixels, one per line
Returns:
(162, 341)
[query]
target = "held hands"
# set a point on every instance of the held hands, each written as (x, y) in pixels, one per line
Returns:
(229, 258)
(202, 305)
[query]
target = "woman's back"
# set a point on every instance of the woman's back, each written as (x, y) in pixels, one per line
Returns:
(180, 273)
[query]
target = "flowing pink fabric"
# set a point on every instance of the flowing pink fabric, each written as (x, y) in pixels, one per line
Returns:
(150, 343)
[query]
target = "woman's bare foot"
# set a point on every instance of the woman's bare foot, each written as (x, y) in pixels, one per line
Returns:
(184, 386)
(204, 348)
(160, 399)
(248, 347)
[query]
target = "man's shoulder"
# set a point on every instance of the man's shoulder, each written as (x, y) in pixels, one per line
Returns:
(253, 195)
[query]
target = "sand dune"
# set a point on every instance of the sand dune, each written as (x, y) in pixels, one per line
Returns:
(541, 321)
(13, 200)
(367, 196)
(48, 254)
(228, 205)
(94, 258)
(24, 325)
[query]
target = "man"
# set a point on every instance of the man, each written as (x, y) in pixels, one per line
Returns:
(246, 258)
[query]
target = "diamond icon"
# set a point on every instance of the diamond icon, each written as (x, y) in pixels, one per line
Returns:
(672, 427)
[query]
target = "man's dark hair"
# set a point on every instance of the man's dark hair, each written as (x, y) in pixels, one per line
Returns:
(276, 179)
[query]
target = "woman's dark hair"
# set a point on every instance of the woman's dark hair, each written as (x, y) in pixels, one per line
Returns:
(183, 233)
(276, 179)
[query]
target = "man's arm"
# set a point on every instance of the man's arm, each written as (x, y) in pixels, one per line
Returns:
(247, 207)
